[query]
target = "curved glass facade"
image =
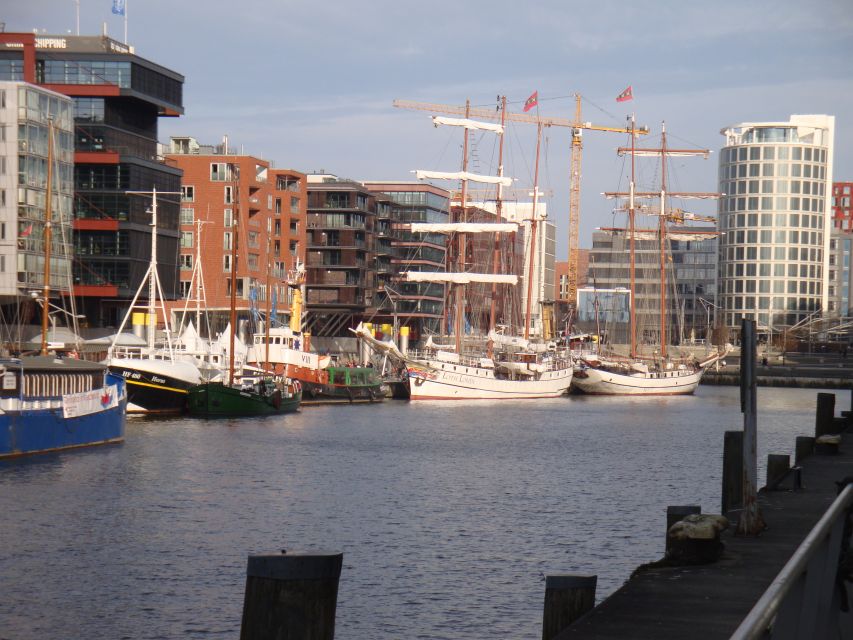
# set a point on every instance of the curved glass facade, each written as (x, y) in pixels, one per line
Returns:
(773, 221)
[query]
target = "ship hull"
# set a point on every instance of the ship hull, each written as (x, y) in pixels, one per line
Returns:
(602, 382)
(442, 381)
(29, 431)
(158, 387)
(214, 399)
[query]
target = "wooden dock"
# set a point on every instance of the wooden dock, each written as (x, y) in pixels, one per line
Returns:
(710, 601)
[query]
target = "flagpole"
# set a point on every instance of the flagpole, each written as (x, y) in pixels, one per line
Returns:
(77, 3)
(125, 21)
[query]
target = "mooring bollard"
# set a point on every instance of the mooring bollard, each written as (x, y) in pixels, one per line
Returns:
(732, 493)
(679, 512)
(825, 415)
(804, 448)
(777, 466)
(291, 596)
(567, 598)
(696, 539)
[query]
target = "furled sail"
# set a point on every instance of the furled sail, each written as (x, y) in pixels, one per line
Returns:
(462, 175)
(458, 278)
(468, 124)
(686, 236)
(464, 227)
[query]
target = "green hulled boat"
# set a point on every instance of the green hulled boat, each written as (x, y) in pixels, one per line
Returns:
(259, 398)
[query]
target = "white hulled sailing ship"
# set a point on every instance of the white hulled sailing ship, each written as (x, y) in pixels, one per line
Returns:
(498, 367)
(660, 374)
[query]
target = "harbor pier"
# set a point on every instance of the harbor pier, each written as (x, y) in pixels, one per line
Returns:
(805, 509)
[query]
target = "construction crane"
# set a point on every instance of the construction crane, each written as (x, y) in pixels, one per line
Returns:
(577, 126)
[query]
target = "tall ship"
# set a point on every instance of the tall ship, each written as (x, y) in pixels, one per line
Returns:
(494, 366)
(660, 372)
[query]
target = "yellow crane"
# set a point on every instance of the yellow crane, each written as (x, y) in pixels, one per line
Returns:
(577, 126)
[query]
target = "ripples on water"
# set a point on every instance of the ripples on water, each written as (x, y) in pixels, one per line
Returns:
(449, 515)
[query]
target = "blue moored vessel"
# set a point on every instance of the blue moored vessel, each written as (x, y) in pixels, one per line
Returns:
(51, 404)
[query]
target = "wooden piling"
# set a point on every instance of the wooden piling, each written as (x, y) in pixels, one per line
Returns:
(777, 466)
(825, 415)
(567, 598)
(804, 448)
(732, 492)
(677, 513)
(291, 596)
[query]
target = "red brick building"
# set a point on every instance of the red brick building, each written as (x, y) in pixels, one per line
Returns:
(842, 211)
(268, 207)
(561, 275)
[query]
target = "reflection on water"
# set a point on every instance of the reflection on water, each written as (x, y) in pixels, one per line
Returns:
(449, 515)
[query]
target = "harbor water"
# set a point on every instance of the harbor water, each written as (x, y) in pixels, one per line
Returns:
(449, 515)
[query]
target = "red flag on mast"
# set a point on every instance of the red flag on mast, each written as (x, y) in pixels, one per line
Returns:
(626, 95)
(532, 101)
(26, 231)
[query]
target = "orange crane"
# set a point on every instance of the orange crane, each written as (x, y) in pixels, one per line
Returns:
(577, 126)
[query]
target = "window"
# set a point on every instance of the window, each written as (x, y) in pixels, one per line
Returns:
(226, 241)
(185, 288)
(229, 194)
(186, 261)
(186, 215)
(187, 193)
(219, 172)
(278, 205)
(294, 205)
(226, 265)
(186, 239)
(228, 218)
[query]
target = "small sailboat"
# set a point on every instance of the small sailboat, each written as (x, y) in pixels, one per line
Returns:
(661, 374)
(253, 395)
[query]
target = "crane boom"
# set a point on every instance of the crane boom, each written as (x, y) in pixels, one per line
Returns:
(577, 126)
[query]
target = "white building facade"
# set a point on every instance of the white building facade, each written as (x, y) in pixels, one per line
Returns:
(775, 221)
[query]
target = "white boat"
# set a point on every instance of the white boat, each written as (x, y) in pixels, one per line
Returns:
(509, 368)
(663, 375)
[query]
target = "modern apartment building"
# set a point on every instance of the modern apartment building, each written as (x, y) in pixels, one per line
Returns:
(226, 195)
(26, 113)
(418, 305)
(118, 98)
(775, 221)
(341, 272)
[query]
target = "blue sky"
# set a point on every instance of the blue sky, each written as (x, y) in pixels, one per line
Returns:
(309, 85)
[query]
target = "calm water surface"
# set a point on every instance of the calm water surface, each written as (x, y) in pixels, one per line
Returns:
(449, 515)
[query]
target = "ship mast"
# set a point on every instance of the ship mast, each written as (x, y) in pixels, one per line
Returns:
(235, 224)
(631, 243)
(460, 240)
(532, 234)
(662, 223)
(498, 216)
(48, 215)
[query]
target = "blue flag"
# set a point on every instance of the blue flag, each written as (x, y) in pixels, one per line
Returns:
(118, 7)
